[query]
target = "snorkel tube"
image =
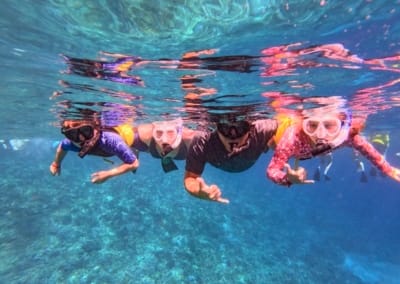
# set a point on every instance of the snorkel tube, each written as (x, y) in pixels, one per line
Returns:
(343, 135)
(344, 131)
(345, 118)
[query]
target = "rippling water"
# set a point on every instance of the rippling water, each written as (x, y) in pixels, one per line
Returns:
(146, 229)
(34, 35)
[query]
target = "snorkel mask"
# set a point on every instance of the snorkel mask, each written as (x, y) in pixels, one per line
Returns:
(233, 129)
(168, 134)
(78, 134)
(328, 131)
(86, 134)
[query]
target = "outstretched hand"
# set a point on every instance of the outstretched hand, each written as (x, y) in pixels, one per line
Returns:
(297, 175)
(211, 192)
(55, 169)
(395, 174)
(99, 177)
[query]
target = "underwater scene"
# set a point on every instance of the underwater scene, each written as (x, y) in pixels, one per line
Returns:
(205, 141)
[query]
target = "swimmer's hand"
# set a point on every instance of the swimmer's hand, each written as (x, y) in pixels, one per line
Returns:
(395, 174)
(100, 177)
(211, 192)
(55, 169)
(297, 175)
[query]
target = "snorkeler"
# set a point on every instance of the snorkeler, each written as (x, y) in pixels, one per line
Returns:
(87, 137)
(320, 131)
(325, 163)
(166, 140)
(380, 141)
(360, 165)
(234, 146)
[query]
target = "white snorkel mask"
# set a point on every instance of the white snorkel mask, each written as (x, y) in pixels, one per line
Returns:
(168, 134)
(328, 130)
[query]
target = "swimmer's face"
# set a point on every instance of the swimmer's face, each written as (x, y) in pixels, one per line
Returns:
(322, 128)
(78, 131)
(233, 135)
(233, 130)
(165, 136)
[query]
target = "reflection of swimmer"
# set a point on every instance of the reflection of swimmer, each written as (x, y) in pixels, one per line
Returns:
(86, 87)
(193, 60)
(116, 71)
(193, 92)
(285, 59)
(234, 63)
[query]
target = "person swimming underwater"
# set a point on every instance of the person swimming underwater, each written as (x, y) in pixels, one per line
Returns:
(321, 131)
(166, 140)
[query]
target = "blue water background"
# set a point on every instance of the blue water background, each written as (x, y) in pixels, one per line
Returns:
(144, 228)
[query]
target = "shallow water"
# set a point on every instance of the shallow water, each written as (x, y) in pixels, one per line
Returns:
(144, 228)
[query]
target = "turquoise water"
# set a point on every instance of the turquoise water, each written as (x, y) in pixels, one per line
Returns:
(144, 228)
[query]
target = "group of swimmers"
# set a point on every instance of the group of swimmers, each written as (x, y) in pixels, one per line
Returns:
(231, 141)
(234, 144)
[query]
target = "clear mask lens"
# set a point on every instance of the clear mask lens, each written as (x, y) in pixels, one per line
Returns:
(322, 127)
(165, 134)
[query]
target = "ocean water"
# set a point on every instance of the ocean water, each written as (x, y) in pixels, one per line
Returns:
(144, 227)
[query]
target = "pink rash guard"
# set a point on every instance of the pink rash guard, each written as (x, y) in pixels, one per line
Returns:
(295, 143)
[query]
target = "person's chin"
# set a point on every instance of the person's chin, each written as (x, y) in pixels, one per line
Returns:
(321, 141)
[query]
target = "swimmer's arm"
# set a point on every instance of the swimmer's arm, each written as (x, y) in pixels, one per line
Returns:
(102, 176)
(189, 134)
(192, 185)
(276, 170)
(55, 166)
(145, 132)
(113, 143)
(284, 150)
(197, 187)
(60, 155)
(377, 159)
